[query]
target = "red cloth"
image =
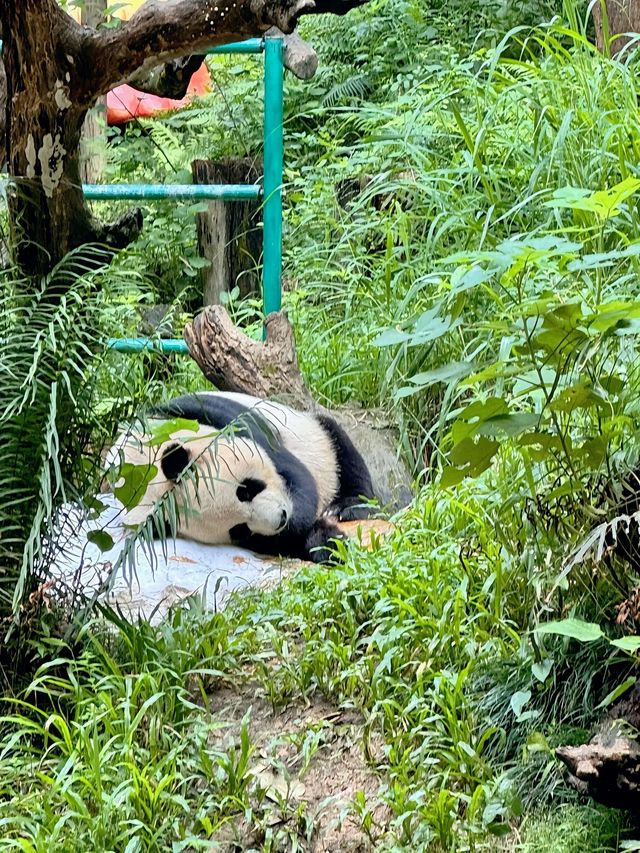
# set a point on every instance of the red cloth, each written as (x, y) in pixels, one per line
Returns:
(125, 103)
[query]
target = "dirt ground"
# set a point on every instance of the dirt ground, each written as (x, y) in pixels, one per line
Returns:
(308, 769)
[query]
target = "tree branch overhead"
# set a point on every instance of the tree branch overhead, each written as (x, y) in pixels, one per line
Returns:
(161, 31)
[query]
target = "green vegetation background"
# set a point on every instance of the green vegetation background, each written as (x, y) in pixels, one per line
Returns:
(461, 252)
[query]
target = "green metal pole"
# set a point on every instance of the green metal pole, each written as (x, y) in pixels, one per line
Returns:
(247, 46)
(273, 155)
(188, 192)
(141, 344)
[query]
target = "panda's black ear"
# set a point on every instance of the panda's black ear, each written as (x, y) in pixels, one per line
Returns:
(175, 458)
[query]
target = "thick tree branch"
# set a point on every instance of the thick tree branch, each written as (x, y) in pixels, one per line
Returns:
(161, 31)
(234, 362)
(299, 57)
(170, 79)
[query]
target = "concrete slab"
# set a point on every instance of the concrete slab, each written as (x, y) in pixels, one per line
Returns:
(152, 577)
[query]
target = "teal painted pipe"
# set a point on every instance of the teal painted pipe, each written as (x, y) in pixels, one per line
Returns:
(248, 46)
(273, 155)
(190, 192)
(140, 344)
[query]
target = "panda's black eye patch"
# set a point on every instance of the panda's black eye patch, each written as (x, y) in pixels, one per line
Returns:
(175, 459)
(249, 488)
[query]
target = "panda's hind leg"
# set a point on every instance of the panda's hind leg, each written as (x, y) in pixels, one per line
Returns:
(355, 480)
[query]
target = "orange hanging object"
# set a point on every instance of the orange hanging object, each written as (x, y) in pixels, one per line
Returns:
(125, 103)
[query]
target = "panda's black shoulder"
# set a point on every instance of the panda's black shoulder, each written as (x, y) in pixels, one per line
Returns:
(212, 410)
(219, 412)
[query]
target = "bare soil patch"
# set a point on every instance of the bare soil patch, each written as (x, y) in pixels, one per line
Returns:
(308, 770)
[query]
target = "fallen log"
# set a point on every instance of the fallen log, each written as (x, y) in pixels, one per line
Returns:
(607, 769)
(232, 361)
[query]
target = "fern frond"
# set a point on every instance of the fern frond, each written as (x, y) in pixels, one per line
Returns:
(354, 88)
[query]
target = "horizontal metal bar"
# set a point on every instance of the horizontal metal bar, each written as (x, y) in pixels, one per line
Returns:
(140, 344)
(190, 192)
(248, 46)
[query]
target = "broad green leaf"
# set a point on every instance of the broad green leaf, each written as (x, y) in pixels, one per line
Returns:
(94, 505)
(499, 828)
(406, 391)
(518, 702)
(391, 337)
(164, 430)
(465, 278)
(101, 539)
(510, 425)
(447, 373)
(557, 341)
(603, 203)
(578, 396)
(542, 669)
(616, 693)
(430, 327)
(471, 457)
(568, 197)
(592, 452)
(540, 445)
(627, 644)
(475, 414)
(133, 482)
(586, 632)
(602, 260)
(451, 476)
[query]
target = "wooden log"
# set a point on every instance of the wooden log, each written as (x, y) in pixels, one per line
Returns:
(622, 16)
(606, 769)
(232, 361)
(229, 235)
(299, 57)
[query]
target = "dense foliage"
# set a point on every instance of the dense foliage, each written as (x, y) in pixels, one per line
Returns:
(461, 253)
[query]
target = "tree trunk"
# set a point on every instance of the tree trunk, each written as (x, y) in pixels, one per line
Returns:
(91, 157)
(621, 16)
(228, 233)
(48, 214)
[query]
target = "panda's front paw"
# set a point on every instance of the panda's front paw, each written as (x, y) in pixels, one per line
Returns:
(352, 509)
(319, 541)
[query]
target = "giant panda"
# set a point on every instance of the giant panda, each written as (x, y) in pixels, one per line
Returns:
(255, 473)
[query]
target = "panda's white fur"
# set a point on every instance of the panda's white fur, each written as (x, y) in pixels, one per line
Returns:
(297, 460)
(302, 436)
(209, 494)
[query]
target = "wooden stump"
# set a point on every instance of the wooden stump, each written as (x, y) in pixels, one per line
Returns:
(92, 161)
(232, 361)
(608, 767)
(229, 235)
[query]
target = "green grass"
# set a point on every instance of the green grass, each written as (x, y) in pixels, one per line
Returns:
(113, 745)
(478, 285)
(569, 829)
